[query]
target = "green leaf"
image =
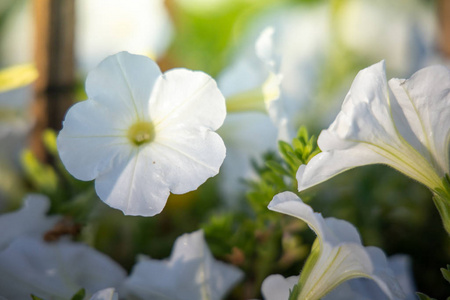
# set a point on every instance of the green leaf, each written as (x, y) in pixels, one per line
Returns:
(446, 273)
(422, 296)
(35, 297)
(79, 295)
(277, 168)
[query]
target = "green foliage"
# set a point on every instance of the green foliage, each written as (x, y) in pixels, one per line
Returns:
(293, 294)
(42, 176)
(79, 295)
(423, 297)
(36, 297)
(446, 273)
(441, 199)
(258, 240)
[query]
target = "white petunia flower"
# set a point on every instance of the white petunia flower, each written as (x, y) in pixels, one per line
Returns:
(54, 270)
(191, 273)
(248, 131)
(409, 132)
(105, 27)
(106, 294)
(337, 254)
(31, 220)
(142, 134)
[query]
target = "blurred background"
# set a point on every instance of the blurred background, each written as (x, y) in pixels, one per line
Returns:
(322, 46)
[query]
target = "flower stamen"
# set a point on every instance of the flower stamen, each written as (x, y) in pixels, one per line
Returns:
(141, 133)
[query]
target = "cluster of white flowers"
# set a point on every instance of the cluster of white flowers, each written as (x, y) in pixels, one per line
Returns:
(58, 269)
(143, 134)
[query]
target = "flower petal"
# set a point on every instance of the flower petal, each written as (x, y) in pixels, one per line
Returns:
(31, 220)
(106, 294)
(186, 99)
(328, 164)
(54, 270)
(341, 255)
(247, 136)
(191, 273)
(276, 287)
(91, 138)
(290, 204)
(364, 133)
(123, 82)
(421, 112)
(135, 184)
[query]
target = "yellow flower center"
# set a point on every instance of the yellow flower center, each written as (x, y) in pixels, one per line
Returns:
(141, 133)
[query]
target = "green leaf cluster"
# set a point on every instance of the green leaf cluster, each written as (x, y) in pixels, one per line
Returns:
(256, 239)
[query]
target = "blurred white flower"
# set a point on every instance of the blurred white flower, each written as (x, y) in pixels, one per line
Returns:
(404, 32)
(54, 270)
(190, 273)
(409, 132)
(337, 255)
(276, 287)
(30, 221)
(105, 27)
(106, 294)
(248, 131)
(142, 134)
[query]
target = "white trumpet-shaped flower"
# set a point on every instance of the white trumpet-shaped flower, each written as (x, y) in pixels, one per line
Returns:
(337, 254)
(191, 273)
(142, 134)
(408, 131)
(30, 221)
(54, 270)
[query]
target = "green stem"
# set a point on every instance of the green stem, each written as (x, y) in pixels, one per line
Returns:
(442, 203)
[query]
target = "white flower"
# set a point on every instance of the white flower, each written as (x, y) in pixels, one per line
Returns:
(142, 134)
(30, 221)
(191, 273)
(54, 270)
(409, 132)
(106, 294)
(337, 254)
(248, 131)
(105, 27)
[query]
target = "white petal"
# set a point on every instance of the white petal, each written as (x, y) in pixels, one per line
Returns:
(364, 133)
(290, 204)
(188, 160)
(191, 273)
(106, 294)
(123, 82)
(54, 270)
(402, 268)
(276, 287)
(328, 164)
(31, 220)
(341, 256)
(186, 99)
(422, 113)
(95, 131)
(91, 138)
(247, 136)
(136, 183)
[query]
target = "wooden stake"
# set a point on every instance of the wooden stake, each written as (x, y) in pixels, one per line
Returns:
(54, 56)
